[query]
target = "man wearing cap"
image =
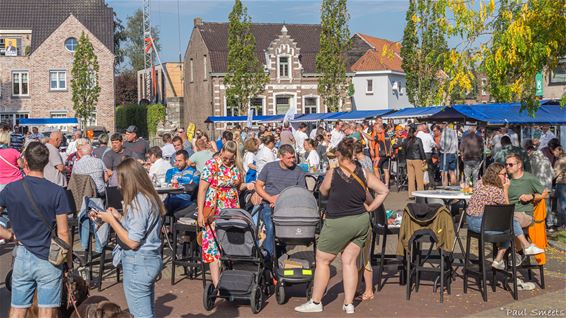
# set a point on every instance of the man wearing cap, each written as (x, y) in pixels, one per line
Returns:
(471, 153)
(138, 146)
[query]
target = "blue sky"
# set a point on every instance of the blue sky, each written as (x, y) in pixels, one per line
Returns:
(380, 18)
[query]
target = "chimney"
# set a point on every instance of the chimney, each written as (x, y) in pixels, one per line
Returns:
(197, 21)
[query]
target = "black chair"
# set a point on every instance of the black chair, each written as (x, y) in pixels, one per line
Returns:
(114, 200)
(529, 266)
(190, 256)
(380, 231)
(72, 215)
(497, 227)
(432, 259)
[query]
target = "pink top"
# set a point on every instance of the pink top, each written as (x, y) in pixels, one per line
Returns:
(9, 173)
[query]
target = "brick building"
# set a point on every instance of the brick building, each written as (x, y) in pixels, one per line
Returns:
(37, 42)
(287, 52)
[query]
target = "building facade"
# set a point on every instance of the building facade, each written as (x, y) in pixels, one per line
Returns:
(288, 54)
(379, 81)
(554, 83)
(167, 82)
(37, 43)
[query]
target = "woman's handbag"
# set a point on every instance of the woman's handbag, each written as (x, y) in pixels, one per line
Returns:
(58, 249)
(210, 211)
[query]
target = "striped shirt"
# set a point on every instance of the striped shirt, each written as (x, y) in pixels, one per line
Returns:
(93, 167)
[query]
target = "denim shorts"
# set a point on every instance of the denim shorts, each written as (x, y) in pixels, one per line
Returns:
(450, 164)
(474, 225)
(31, 273)
(141, 269)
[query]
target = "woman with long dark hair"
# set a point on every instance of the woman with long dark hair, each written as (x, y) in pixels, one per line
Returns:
(138, 235)
(346, 226)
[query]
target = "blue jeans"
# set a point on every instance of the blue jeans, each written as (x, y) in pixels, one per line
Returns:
(31, 273)
(474, 225)
(266, 215)
(88, 226)
(448, 164)
(175, 203)
(141, 269)
(561, 197)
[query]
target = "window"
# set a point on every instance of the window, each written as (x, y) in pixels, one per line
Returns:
(369, 87)
(311, 105)
(205, 67)
(71, 44)
(284, 67)
(59, 114)
(12, 118)
(256, 105)
(191, 69)
(282, 104)
(558, 75)
(232, 111)
(57, 80)
(20, 80)
(483, 86)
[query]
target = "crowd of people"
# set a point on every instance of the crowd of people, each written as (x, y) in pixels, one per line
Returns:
(358, 161)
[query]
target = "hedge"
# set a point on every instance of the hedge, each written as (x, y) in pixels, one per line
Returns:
(132, 114)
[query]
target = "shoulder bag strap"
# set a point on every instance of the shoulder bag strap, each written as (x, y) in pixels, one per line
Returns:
(355, 176)
(8, 163)
(35, 207)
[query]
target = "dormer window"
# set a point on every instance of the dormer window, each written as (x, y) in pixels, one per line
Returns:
(283, 67)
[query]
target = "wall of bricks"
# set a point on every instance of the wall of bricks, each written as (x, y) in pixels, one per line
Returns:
(52, 55)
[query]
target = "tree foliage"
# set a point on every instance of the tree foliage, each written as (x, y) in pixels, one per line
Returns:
(126, 90)
(119, 38)
(246, 77)
(84, 85)
(132, 114)
(331, 61)
(156, 114)
(423, 50)
(135, 45)
(509, 40)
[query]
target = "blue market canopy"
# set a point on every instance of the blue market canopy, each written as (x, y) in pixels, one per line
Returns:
(414, 112)
(241, 119)
(510, 113)
(317, 117)
(48, 121)
(362, 114)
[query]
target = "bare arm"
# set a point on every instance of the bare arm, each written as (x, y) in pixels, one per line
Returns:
(61, 168)
(325, 186)
(202, 188)
(381, 191)
(260, 190)
(64, 234)
(6, 234)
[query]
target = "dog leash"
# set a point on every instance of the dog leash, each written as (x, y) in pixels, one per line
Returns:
(72, 299)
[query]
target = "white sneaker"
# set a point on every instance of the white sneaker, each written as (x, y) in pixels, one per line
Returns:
(309, 306)
(533, 250)
(349, 308)
(518, 260)
(498, 265)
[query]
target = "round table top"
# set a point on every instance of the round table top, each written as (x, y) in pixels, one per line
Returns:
(442, 194)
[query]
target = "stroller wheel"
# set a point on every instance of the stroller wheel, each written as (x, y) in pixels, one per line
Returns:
(280, 294)
(8, 281)
(209, 296)
(257, 298)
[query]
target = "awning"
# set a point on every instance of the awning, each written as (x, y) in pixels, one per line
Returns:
(510, 113)
(317, 117)
(363, 114)
(242, 119)
(48, 121)
(414, 112)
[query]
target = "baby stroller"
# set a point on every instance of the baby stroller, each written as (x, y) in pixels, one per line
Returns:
(295, 218)
(243, 269)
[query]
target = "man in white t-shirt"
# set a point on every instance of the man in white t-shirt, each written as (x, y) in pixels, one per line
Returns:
(428, 146)
(265, 153)
(300, 137)
(168, 150)
(337, 135)
(159, 166)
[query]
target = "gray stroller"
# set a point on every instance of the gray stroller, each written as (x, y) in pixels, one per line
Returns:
(243, 268)
(295, 218)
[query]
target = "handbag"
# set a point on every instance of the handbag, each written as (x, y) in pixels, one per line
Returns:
(58, 249)
(126, 247)
(369, 197)
(425, 166)
(209, 211)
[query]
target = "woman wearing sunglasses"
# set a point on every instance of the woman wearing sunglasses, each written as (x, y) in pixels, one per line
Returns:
(218, 189)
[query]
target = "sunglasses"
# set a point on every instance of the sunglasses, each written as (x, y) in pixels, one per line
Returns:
(509, 164)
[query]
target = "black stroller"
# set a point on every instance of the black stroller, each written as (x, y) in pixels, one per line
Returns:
(243, 267)
(295, 218)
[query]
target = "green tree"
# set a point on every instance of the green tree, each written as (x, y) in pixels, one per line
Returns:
(135, 45)
(423, 48)
(510, 41)
(330, 60)
(246, 77)
(119, 38)
(84, 84)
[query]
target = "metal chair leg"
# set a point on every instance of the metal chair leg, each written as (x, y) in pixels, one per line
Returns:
(483, 285)
(381, 263)
(493, 271)
(514, 270)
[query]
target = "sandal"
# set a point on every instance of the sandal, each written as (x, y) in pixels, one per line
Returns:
(365, 297)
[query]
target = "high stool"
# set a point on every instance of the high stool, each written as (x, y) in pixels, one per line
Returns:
(190, 257)
(497, 227)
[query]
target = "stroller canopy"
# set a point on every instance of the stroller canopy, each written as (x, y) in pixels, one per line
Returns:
(296, 203)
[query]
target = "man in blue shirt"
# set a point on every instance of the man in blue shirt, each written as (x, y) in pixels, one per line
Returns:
(226, 136)
(31, 226)
(185, 175)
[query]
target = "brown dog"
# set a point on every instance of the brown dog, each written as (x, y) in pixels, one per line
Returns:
(99, 307)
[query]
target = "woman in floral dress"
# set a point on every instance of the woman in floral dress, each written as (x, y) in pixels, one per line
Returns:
(218, 188)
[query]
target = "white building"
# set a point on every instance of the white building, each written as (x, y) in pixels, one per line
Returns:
(379, 81)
